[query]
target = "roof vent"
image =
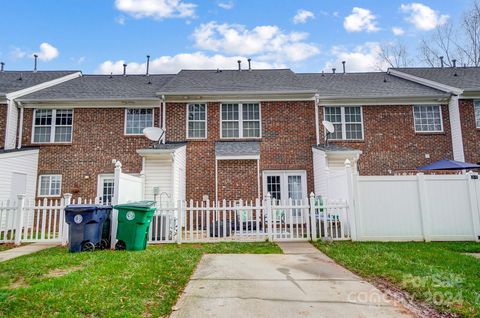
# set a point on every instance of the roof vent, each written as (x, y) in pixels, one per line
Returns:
(334, 70)
(35, 57)
(441, 61)
(323, 73)
(239, 65)
(454, 61)
(148, 64)
(249, 64)
(20, 78)
(2, 64)
(384, 79)
(111, 75)
(124, 69)
(343, 64)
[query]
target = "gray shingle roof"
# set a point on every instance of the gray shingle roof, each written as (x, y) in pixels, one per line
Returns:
(104, 87)
(365, 85)
(237, 148)
(334, 147)
(12, 81)
(215, 81)
(170, 145)
(466, 78)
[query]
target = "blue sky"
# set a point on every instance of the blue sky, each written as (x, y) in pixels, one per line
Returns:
(98, 36)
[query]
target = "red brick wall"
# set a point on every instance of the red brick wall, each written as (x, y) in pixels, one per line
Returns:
(98, 137)
(3, 124)
(237, 179)
(470, 133)
(391, 144)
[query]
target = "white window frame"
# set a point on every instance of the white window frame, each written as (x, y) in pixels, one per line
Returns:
(100, 182)
(49, 186)
(125, 120)
(240, 120)
(475, 102)
(284, 174)
(344, 123)
(206, 121)
(53, 126)
(428, 131)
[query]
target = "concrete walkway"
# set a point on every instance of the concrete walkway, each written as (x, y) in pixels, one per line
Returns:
(300, 283)
(24, 250)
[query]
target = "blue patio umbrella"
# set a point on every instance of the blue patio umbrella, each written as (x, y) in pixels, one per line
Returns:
(446, 164)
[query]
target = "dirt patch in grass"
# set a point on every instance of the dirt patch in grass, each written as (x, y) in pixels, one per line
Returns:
(59, 272)
(418, 308)
(19, 283)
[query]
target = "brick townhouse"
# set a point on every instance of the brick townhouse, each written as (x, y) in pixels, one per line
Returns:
(237, 134)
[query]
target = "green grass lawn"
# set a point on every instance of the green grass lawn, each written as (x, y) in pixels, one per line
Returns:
(438, 273)
(54, 282)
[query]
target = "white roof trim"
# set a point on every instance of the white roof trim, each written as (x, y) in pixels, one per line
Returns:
(41, 86)
(153, 151)
(19, 153)
(426, 82)
(238, 157)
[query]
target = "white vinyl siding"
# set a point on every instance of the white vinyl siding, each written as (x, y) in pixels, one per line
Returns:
(240, 120)
(137, 119)
(21, 162)
(477, 113)
(196, 121)
(427, 118)
(52, 125)
(49, 185)
(347, 121)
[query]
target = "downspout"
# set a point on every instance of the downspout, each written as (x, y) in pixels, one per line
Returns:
(20, 128)
(216, 180)
(164, 114)
(317, 124)
(456, 129)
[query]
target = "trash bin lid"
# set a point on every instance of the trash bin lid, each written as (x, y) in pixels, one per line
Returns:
(139, 205)
(86, 207)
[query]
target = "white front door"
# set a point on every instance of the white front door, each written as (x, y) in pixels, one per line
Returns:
(105, 186)
(286, 184)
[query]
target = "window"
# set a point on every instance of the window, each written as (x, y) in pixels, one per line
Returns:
(240, 120)
(105, 187)
(138, 119)
(52, 125)
(196, 121)
(427, 118)
(348, 122)
(284, 185)
(49, 185)
(477, 113)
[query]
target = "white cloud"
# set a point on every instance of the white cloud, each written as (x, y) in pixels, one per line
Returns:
(47, 52)
(267, 42)
(361, 20)
(227, 5)
(173, 64)
(423, 17)
(156, 9)
(17, 53)
(363, 58)
(302, 16)
(120, 19)
(398, 31)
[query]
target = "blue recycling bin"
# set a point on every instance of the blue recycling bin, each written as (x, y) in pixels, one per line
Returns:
(88, 226)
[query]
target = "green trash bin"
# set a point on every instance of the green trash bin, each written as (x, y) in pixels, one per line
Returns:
(134, 221)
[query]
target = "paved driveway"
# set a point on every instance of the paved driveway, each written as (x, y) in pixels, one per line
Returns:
(301, 283)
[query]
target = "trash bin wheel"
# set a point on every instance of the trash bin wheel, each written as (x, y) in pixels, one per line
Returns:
(104, 244)
(120, 246)
(88, 247)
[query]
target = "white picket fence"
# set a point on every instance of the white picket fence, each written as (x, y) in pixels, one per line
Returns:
(259, 220)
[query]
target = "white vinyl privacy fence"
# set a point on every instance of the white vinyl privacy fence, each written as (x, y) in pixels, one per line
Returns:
(416, 208)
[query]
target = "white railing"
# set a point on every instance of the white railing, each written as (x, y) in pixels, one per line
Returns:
(259, 220)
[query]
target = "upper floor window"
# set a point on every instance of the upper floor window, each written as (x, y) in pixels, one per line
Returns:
(52, 125)
(240, 120)
(428, 118)
(347, 120)
(137, 119)
(477, 113)
(196, 121)
(50, 185)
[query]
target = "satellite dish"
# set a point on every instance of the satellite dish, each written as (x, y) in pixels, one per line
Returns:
(328, 126)
(153, 133)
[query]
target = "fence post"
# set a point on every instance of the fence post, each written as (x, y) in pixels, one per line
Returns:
(181, 212)
(474, 204)
(424, 206)
(313, 220)
(19, 220)
(67, 200)
(351, 211)
(115, 201)
(268, 213)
